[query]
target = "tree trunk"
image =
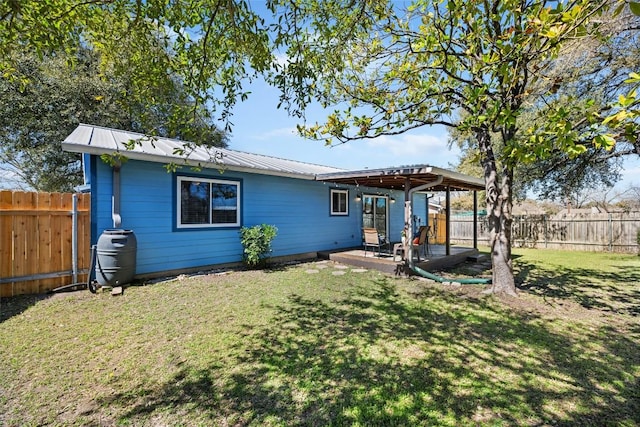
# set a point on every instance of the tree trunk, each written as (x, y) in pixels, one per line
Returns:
(499, 204)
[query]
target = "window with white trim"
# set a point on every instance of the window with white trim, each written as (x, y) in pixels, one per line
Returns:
(339, 202)
(204, 202)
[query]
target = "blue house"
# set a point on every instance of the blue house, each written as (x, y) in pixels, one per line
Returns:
(189, 218)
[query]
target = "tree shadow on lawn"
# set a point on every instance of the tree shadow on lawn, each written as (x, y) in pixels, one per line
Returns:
(379, 359)
(619, 293)
(13, 306)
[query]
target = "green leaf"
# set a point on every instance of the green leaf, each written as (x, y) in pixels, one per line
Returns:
(577, 149)
(633, 78)
(256, 242)
(604, 141)
(635, 7)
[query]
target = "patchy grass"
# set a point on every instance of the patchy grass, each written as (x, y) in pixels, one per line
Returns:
(305, 346)
(607, 282)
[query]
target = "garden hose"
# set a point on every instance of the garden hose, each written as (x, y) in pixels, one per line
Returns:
(440, 279)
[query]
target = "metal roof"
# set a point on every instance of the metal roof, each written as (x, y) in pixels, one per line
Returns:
(400, 177)
(99, 140)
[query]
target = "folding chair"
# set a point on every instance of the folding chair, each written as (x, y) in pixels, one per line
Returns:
(372, 240)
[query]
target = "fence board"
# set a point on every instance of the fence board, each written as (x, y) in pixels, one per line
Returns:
(44, 239)
(438, 224)
(56, 231)
(36, 239)
(20, 236)
(587, 232)
(6, 250)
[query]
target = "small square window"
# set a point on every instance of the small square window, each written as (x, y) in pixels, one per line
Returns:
(340, 202)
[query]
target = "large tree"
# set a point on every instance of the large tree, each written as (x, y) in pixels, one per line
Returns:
(209, 46)
(36, 117)
(50, 99)
(390, 70)
(558, 176)
(179, 65)
(590, 74)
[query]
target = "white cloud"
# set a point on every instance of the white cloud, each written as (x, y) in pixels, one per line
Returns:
(282, 59)
(630, 172)
(284, 132)
(9, 180)
(409, 144)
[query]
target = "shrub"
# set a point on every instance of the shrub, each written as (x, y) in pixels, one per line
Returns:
(256, 241)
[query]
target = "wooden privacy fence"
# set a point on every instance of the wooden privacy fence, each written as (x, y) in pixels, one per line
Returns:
(438, 228)
(36, 241)
(606, 232)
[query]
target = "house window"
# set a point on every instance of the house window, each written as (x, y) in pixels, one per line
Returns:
(339, 202)
(207, 203)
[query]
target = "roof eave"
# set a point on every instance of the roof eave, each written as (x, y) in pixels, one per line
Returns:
(405, 170)
(133, 155)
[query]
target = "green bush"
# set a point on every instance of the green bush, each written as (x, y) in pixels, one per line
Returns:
(256, 241)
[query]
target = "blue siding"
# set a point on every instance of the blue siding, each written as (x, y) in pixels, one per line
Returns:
(299, 208)
(396, 216)
(101, 193)
(419, 210)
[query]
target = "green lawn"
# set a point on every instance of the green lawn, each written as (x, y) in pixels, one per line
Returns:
(308, 345)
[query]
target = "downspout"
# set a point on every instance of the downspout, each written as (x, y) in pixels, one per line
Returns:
(115, 199)
(428, 221)
(475, 220)
(448, 223)
(409, 199)
(74, 239)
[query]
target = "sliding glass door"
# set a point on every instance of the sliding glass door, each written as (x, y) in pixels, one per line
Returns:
(375, 213)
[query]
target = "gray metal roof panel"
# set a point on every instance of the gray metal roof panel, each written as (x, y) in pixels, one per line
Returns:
(100, 140)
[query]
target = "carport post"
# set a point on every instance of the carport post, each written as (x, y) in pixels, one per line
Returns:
(408, 219)
(448, 223)
(475, 219)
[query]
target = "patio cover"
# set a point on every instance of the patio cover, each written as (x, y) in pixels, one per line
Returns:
(405, 178)
(409, 179)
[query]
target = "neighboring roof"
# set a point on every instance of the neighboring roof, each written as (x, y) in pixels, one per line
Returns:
(397, 178)
(99, 140)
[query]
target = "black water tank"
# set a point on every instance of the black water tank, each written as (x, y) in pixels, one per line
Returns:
(116, 257)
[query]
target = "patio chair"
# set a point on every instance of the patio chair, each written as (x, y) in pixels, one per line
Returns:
(373, 240)
(431, 238)
(423, 239)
